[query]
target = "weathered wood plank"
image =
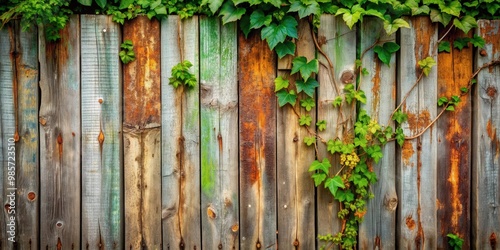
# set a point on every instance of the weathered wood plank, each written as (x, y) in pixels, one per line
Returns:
(338, 42)
(60, 138)
(417, 159)
(219, 134)
(102, 214)
(486, 174)
(7, 131)
(257, 130)
(180, 138)
(142, 135)
(454, 145)
(296, 213)
(378, 228)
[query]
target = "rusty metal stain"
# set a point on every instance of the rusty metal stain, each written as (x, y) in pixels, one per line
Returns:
(407, 153)
(100, 138)
(59, 243)
(60, 145)
(141, 91)
(419, 240)
(211, 213)
(424, 31)
(410, 222)
(493, 241)
(376, 87)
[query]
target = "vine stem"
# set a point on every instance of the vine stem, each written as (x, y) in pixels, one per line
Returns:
(406, 95)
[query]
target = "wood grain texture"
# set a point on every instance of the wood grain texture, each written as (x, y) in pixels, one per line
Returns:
(417, 160)
(295, 208)
(219, 134)
(338, 42)
(102, 213)
(60, 139)
(257, 131)
(378, 228)
(180, 138)
(142, 135)
(486, 149)
(454, 145)
(7, 128)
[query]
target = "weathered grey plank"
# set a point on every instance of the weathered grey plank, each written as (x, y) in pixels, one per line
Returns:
(142, 135)
(296, 213)
(219, 134)
(486, 145)
(60, 138)
(7, 130)
(102, 214)
(338, 42)
(257, 130)
(378, 228)
(180, 138)
(417, 159)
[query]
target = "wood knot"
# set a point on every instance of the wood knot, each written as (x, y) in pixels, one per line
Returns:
(347, 77)
(16, 136)
(42, 121)
(483, 52)
(258, 245)
(59, 224)
(100, 138)
(100, 101)
(491, 91)
(31, 196)
(493, 241)
(59, 139)
(211, 213)
(296, 243)
(235, 228)
(220, 246)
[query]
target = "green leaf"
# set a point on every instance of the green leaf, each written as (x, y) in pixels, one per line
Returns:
(273, 34)
(307, 87)
(453, 8)
(349, 18)
(123, 4)
(391, 27)
(230, 13)
(426, 64)
(385, 51)
(214, 5)
(465, 23)
(245, 25)
(333, 184)
(438, 16)
(306, 68)
(450, 108)
(477, 41)
(304, 10)
(442, 101)
(460, 43)
(334, 146)
(285, 48)
(444, 46)
(101, 3)
(338, 101)
(344, 195)
(416, 9)
(85, 2)
(285, 97)
(290, 25)
(318, 178)
(360, 96)
(375, 152)
(321, 125)
(309, 140)
(464, 90)
(305, 120)
(308, 103)
(400, 136)
(399, 116)
(280, 83)
(323, 166)
(259, 19)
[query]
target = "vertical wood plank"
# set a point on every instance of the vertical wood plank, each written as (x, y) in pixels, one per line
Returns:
(338, 42)
(296, 213)
(102, 214)
(60, 138)
(180, 138)
(454, 145)
(257, 128)
(142, 135)
(486, 174)
(417, 159)
(378, 228)
(219, 134)
(7, 129)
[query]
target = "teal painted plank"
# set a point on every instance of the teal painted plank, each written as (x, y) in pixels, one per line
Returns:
(219, 136)
(60, 138)
(102, 213)
(417, 160)
(340, 46)
(180, 138)
(7, 130)
(378, 227)
(486, 146)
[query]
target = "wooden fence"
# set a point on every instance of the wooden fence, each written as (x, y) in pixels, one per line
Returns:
(100, 155)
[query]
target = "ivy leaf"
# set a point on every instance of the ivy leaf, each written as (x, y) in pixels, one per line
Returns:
(461, 43)
(285, 48)
(375, 153)
(464, 90)
(465, 23)
(321, 125)
(280, 83)
(305, 9)
(426, 64)
(453, 8)
(416, 9)
(290, 25)
(349, 18)
(214, 5)
(307, 103)
(360, 96)
(333, 184)
(400, 136)
(399, 116)
(305, 120)
(306, 68)
(450, 108)
(442, 101)
(344, 195)
(245, 25)
(444, 46)
(309, 140)
(275, 34)
(385, 51)
(85, 2)
(101, 3)
(477, 41)
(285, 97)
(323, 166)
(438, 16)
(318, 178)
(230, 13)
(391, 27)
(334, 146)
(337, 102)
(123, 4)
(258, 19)
(307, 87)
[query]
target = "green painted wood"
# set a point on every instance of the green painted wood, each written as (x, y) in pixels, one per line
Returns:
(102, 213)
(339, 43)
(486, 146)
(180, 138)
(296, 213)
(7, 130)
(219, 136)
(378, 228)
(417, 159)
(60, 139)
